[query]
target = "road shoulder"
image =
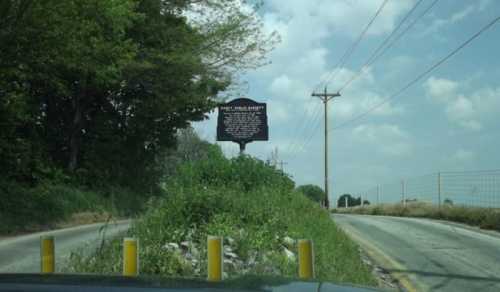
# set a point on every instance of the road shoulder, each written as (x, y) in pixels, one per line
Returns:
(382, 261)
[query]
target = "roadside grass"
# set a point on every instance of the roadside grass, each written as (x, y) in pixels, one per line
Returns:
(84, 217)
(53, 205)
(485, 218)
(253, 206)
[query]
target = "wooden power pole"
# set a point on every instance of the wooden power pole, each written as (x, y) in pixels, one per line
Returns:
(325, 98)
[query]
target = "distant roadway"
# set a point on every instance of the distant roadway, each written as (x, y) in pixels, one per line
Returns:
(428, 255)
(21, 254)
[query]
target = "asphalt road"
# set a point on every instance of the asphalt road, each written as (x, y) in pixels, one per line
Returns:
(21, 254)
(429, 255)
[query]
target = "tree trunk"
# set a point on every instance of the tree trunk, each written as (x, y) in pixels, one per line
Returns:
(76, 132)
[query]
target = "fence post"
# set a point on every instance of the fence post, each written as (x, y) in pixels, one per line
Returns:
(215, 261)
(403, 192)
(378, 194)
(306, 259)
(47, 255)
(130, 257)
(361, 197)
(345, 201)
(439, 189)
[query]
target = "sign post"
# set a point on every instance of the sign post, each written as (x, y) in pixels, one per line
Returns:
(242, 121)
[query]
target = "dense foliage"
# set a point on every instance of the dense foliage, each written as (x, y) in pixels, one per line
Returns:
(92, 93)
(313, 192)
(350, 200)
(253, 206)
(41, 205)
(100, 88)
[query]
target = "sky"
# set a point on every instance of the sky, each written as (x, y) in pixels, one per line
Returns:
(447, 121)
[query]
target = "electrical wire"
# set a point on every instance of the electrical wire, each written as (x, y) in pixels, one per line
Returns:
(315, 123)
(420, 76)
(312, 134)
(307, 124)
(381, 50)
(293, 146)
(343, 60)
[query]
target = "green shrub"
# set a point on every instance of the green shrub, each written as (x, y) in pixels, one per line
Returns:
(313, 192)
(253, 206)
(22, 208)
(491, 220)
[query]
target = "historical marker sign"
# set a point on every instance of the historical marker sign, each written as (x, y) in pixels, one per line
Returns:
(242, 121)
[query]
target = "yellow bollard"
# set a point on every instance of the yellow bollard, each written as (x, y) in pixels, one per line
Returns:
(306, 259)
(130, 257)
(47, 255)
(214, 253)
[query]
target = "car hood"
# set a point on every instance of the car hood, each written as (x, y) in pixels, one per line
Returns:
(84, 283)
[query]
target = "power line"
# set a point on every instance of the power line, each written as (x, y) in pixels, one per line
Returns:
(312, 134)
(421, 75)
(353, 47)
(300, 128)
(314, 130)
(308, 123)
(380, 51)
(315, 124)
(294, 145)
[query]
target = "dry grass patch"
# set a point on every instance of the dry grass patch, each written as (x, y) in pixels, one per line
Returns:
(485, 218)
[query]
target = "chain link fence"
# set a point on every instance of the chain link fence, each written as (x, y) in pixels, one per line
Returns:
(467, 188)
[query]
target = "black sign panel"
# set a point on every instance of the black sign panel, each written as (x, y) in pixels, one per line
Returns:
(242, 120)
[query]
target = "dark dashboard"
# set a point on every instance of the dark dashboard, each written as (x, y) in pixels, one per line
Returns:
(87, 283)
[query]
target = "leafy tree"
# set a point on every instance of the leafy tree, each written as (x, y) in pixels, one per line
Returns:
(61, 60)
(351, 201)
(190, 147)
(313, 192)
(101, 88)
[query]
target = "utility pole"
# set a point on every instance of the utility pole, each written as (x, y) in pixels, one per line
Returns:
(378, 194)
(439, 190)
(325, 97)
(281, 163)
(275, 161)
(403, 192)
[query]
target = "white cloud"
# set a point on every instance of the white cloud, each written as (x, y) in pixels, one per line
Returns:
(461, 108)
(303, 55)
(288, 90)
(399, 66)
(458, 16)
(280, 84)
(468, 111)
(463, 155)
(305, 31)
(483, 4)
(440, 90)
(387, 139)
(313, 36)
(360, 97)
(454, 18)
(487, 100)
(472, 125)
(343, 16)
(277, 111)
(339, 77)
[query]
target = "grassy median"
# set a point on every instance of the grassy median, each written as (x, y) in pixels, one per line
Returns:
(253, 206)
